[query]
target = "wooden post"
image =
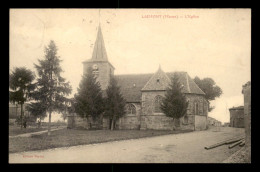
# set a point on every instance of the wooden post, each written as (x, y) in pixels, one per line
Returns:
(229, 141)
(49, 126)
(21, 116)
(194, 123)
(235, 144)
(16, 108)
(173, 128)
(112, 124)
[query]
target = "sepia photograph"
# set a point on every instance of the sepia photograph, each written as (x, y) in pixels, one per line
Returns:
(129, 85)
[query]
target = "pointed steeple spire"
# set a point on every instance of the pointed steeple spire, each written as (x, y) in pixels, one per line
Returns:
(99, 51)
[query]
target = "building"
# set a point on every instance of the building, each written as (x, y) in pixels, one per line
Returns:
(143, 94)
(213, 122)
(226, 124)
(237, 117)
(247, 113)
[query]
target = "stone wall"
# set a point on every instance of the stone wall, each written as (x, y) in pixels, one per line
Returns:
(146, 118)
(200, 119)
(247, 113)
(213, 122)
(71, 121)
(150, 119)
(131, 121)
(128, 121)
(158, 121)
(80, 122)
(148, 98)
(75, 121)
(162, 122)
(106, 123)
(237, 118)
(104, 69)
(94, 124)
(202, 104)
(200, 122)
(189, 124)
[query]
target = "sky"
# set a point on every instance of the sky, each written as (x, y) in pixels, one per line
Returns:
(213, 43)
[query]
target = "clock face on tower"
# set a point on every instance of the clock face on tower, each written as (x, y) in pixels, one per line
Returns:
(95, 67)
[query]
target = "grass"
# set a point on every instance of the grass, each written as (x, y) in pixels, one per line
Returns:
(66, 138)
(16, 130)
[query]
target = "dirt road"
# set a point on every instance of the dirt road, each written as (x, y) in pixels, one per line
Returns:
(175, 148)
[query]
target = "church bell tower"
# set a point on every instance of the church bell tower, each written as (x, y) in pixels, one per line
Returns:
(99, 63)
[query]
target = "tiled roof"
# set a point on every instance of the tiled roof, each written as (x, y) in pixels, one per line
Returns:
(159, 81)
(131, 85)
(189, 85)
(237, 108)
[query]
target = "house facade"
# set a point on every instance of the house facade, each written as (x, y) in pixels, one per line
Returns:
(237, 117)
(247, 116)
(143, 94)
(213, 122)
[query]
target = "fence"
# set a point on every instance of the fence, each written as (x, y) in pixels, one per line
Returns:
(15, 111)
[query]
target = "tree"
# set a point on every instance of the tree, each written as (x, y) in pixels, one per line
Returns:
(174, 104)
(115, 103)
(20, 83)
(209, 87)
(51, 87)
(89, 100)
(38, 110)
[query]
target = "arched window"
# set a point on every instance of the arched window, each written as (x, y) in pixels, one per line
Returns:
(196, 108)
(157, 104)
(188, 108)
(130, 109)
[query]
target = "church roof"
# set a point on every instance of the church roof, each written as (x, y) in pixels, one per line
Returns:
(99, 51)
(190, 86)
(159, 81)
(132, 85)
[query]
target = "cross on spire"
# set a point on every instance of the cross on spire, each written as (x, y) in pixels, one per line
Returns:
(99, 17)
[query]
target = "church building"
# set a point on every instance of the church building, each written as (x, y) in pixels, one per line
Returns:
(143, 94)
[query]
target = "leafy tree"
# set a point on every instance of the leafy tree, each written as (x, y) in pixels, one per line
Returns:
(89, 100)
(209, 87)
(20, 83)
(51, 87)
(174, 104)
(115, 103)
(38, 110)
